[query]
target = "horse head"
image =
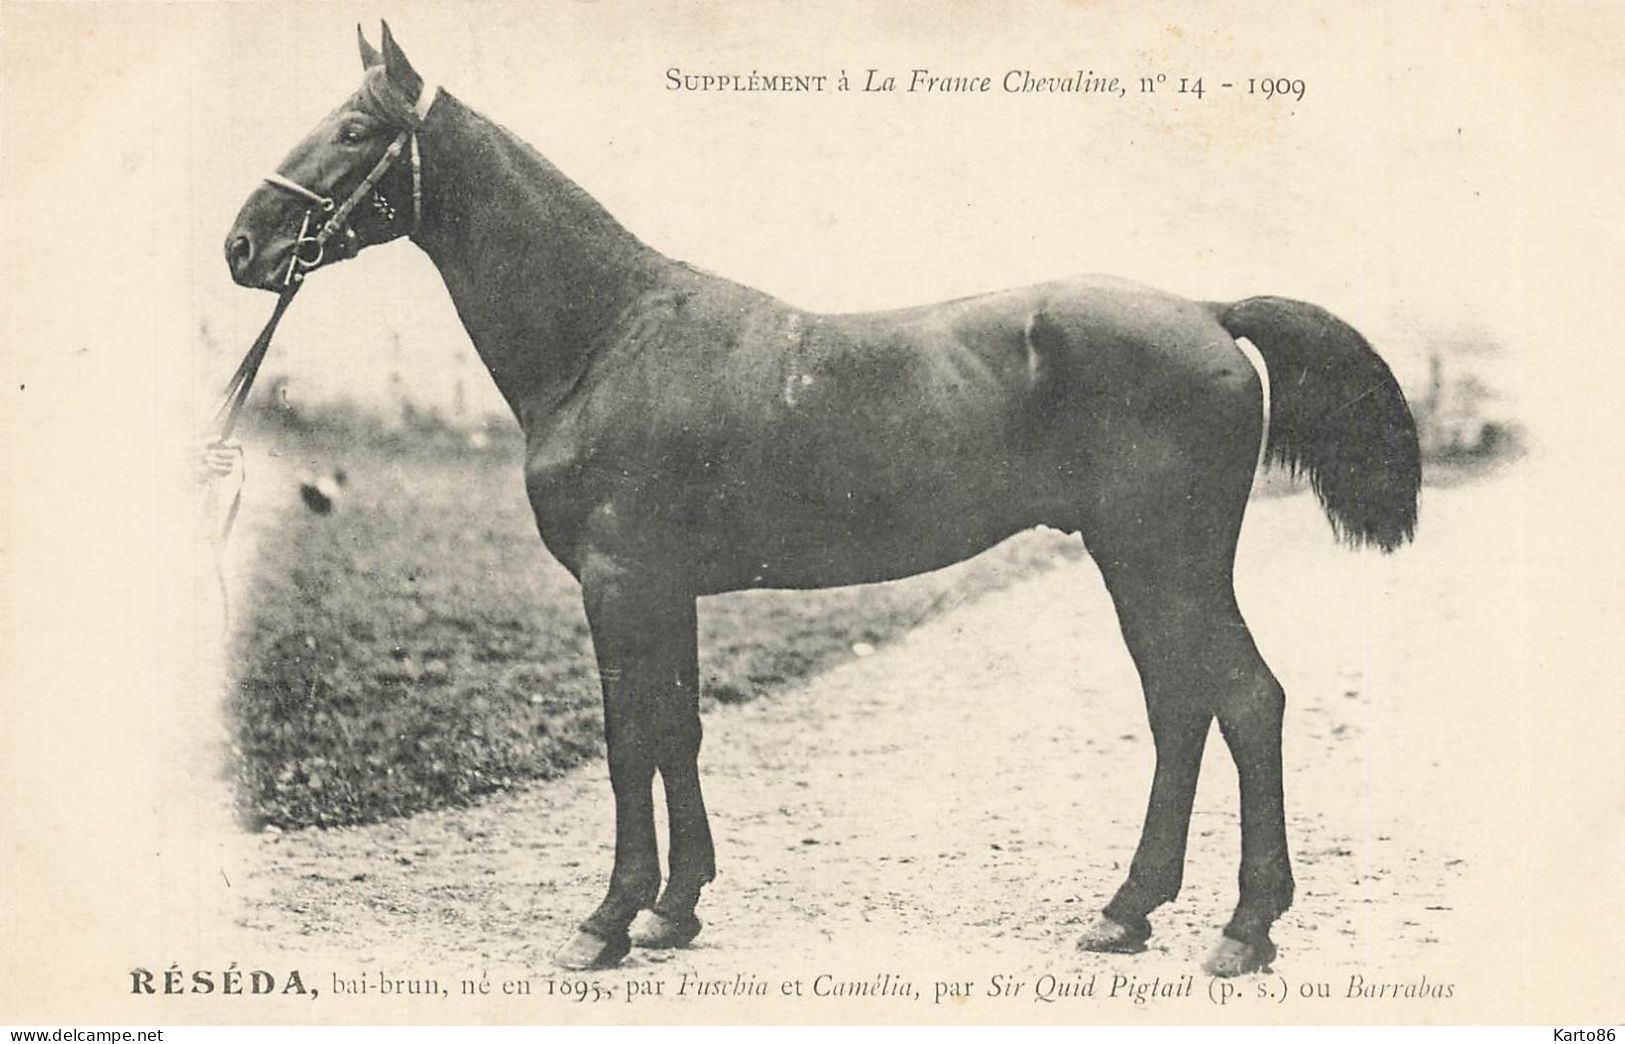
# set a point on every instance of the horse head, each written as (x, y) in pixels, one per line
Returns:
(353, 182)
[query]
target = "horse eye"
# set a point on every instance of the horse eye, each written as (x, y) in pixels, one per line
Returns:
(352, 135)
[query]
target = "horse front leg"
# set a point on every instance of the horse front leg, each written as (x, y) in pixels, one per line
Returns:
(644, 636)
(671, 921)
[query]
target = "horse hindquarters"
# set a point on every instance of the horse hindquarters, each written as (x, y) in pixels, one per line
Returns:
(1165, 536)
(1171, 479)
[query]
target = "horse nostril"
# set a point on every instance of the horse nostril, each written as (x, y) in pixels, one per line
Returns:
(239, 251)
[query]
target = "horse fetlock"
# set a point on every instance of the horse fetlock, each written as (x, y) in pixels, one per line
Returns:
(1143, 892)
(625, 899)
(1265, 895)
(1252, 924)
(588, 950)
(1152, 891)
(1232, 957)
(682, 892)
(1106, 934)
(657, 930)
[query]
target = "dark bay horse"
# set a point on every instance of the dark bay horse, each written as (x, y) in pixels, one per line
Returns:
(686, 435)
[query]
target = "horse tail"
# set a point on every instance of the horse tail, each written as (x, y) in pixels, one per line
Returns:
(1337, 414)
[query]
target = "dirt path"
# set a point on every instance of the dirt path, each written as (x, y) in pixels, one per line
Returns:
(959, 800)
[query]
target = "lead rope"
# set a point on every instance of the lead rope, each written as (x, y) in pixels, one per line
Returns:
(219, 462)
(226, 414)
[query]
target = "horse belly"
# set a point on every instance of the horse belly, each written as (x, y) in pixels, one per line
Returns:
(809, 553)
(828, 525)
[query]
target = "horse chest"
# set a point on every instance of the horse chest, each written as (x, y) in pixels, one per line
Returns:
(562, 491)
(585, 499)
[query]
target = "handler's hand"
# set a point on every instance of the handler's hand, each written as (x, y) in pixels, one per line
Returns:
(219, 459)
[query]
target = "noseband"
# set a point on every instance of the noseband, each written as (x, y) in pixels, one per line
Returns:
(310, 249)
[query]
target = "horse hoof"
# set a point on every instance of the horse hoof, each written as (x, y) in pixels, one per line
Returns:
(1233, 957)
(588, 952)
(654, 931)
(1105, 935)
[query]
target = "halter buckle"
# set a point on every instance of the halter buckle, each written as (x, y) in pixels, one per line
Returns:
(299, 261)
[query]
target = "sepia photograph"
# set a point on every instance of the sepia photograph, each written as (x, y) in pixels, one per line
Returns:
(595, 512)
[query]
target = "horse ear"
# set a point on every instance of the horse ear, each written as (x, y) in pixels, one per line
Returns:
(369, 54)
(399, 69)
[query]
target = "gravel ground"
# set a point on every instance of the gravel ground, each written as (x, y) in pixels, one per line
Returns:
(950, 808)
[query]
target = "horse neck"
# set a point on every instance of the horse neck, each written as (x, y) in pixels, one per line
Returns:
(537, 269)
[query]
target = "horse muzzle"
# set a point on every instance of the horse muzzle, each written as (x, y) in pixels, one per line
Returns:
(283, 259)
(260, 263)
(254, 266)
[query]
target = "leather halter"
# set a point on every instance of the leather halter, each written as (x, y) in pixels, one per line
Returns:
(336, 224)
(309, 249)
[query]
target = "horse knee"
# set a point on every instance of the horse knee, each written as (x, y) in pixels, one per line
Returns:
(1178, 725)
(631, 768)
(685, 735)
(1250, 699)
(679, 743)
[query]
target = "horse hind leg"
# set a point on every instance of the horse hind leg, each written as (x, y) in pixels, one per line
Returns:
(1161, 622)
(1164, 539)
(1197, 662)
(1250, 709)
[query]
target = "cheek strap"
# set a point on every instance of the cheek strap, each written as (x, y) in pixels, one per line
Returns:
(427, 96)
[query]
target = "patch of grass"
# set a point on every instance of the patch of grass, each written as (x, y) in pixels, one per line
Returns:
(418, 648)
